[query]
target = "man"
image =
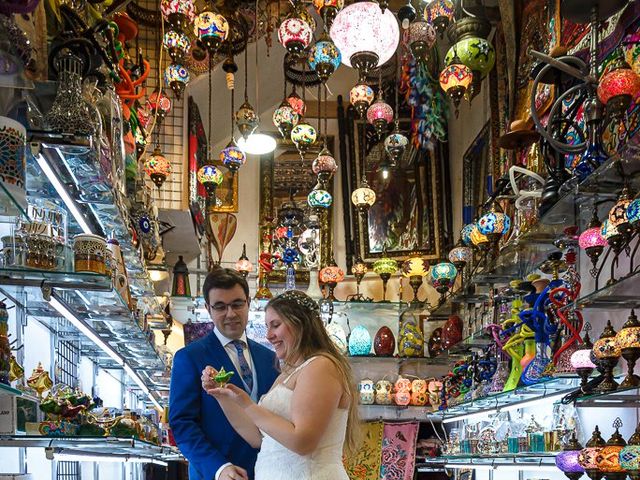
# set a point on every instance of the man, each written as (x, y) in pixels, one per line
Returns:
(205, 437)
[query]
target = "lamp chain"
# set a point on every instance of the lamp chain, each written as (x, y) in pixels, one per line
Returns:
(246, 75)
(209, 154)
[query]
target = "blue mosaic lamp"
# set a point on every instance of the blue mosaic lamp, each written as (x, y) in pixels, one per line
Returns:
(324, 58)
(232, 157)
(319, 199)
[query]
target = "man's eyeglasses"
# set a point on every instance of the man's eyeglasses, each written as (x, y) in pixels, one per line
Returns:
(221, 307)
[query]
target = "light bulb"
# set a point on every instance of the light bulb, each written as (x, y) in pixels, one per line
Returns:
(405, 23)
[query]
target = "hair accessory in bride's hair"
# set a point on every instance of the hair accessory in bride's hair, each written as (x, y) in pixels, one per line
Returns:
(302, 299)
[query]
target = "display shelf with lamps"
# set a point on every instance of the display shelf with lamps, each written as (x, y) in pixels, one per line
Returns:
(395, 412)
(621, 294)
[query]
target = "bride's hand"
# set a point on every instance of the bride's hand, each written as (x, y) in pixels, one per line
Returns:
(232, 393)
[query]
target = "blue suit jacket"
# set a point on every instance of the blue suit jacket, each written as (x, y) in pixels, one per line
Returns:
(200, 428)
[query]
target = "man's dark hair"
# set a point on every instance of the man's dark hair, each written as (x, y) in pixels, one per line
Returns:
(225, 279)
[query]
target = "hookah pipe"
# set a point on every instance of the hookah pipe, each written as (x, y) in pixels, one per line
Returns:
(559, 302)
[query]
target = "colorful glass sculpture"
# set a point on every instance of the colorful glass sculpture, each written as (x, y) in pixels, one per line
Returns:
(361, 97)
(439, 13)
(211, 29)
(303, 135)
(177, 45)
(176, 76)
(157, 167)
(476, 53)
(422, 37)
(210, 177)
(285, 118)
(232, 157)
(442, 276)
(384, 343)
(319, 199)
(324, 58)
(366, 36)
(179, 13)
(295, 35)
(359, 341)
(618, 87)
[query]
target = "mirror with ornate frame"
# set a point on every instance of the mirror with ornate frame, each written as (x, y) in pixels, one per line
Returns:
(285, 177)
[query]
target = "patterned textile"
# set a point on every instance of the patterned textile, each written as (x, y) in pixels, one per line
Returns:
(398, 451)
(194, 331)
(365, 464)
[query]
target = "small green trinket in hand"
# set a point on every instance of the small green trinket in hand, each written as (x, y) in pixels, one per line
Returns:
(222, 377)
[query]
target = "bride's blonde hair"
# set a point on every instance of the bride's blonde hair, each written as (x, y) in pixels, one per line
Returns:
(302, 314)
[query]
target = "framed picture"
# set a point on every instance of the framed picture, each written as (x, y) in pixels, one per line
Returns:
(227, 191)
(475, 173)
(407, 215)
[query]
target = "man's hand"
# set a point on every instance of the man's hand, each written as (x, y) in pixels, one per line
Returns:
(233, 472)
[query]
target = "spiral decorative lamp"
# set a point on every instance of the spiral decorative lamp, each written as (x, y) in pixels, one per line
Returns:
(567, 460)
(607, 354)
(618, 88)
(439, 13)
(331, 275)
(324, 58)
(177, 45)
(295, 34)
(361, 96)
(581, 359)
(592, 242)
(422, 37)
(608, 459)
(157, 167)
(178, 13)
(628, 340)
(366, 37)
(177, 77)
(385, 267)
(211, 29)
(414, 268)
(630, 456)
(244, 265)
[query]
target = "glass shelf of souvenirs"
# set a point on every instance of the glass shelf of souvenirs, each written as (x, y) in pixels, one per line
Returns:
(515, 460)
(365, 359)
(117, 446)
(619, 294)
(555, 386)
(396, 412)
(72, 160)
(603, 183)
(621, 397)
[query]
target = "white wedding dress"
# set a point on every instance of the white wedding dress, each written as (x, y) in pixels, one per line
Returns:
(276, 462)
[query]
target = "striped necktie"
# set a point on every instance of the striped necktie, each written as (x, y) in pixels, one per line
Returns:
(245, 370)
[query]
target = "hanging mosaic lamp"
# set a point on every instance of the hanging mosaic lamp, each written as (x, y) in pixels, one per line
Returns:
(297, 103)
(244, 265)
(396, 144)
(363, 197)
(324, 165)
(618, 213)
(303, 135)
(465, 234)
(211, 29)
(246, 119)
(331, 275)
(380, 115)
(618, 88)
(494, 224)
(442, 276)
(157, 167)
(232, 157)
(628, 339)
(455, 80)
(295, 35)
(328, 9)
(177, 77)
(475, 52)
(324, 58)
(567, 459)
(414, 268)
(361, 97)
(588, 455)
(385, 267)
(607, 352)
(177, 45)
(319, 199)
(285, 118)
(422, 37)
(365, 36)
(178, 13)
(406, 14)
(608, 460)
(630, 455)
(439, 13)
(159, 105)
(592, 241)
(210, 177)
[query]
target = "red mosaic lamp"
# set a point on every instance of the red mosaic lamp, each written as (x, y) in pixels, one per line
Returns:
(618, 88)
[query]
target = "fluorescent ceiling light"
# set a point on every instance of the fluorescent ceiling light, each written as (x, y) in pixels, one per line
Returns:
(93, 457)
(257, 144)
(62, 192)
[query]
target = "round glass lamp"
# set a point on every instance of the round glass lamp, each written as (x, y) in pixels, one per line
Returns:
(244, 265)
(633, 213)
(422, 37)
(475, 52)
(380, 115)
(363, 197)
(331, 275)
(178, 13)
(618, 213)
(460, 256)
(494, 225)
(628, 340)
(232, 157)
(608, 459)
(455, 79)
(414, 268)
(611, 234)
(361, 97)
(324, 166)
(366, 36)
(303, 135)
(246, 119)
(159, 105)
(295, 35)
(581, 359)
(319, 199)
(607, 354)
(592, 242)
(385, 267)
(630, 456)
(324, 58)
(157, 167)
(297, 103)
(211, 29)
(465, 234)
(177, 45)
(176, 77)
(439, 13)
(396, 144)
(478, 239)
(567, 460)
(285, 118)
(210, 177)
(443, 275)
(618, 88)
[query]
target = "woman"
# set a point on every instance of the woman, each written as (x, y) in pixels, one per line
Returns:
(310, 413)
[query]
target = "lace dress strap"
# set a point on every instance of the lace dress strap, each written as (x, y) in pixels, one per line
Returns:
(298, 368)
